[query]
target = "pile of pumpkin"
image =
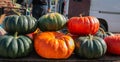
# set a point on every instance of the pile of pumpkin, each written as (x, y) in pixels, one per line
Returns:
(84, 37)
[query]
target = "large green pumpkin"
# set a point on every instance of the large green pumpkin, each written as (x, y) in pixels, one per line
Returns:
(15, 46)
(21, 24)
(90, 47)
(51, 22)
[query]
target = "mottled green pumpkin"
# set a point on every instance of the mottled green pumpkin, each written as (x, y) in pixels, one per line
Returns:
(102, 34)
(51, 22)
(21, 24)
(90, 47)
(15, 46)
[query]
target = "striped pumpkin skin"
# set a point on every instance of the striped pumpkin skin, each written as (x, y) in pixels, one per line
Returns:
(15, 46)
(90, 47)
(51, 22)
(21, 24)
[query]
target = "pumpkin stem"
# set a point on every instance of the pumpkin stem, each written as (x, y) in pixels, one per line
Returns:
(15, 35)
(90, 37)
(102, 30)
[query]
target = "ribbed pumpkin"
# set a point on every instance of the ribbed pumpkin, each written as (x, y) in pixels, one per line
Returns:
(53, 45)
(83, 25)
(21, 24)
(51, 22)
(113, 44)
(15, 46)
(102, 34)
(90, 47)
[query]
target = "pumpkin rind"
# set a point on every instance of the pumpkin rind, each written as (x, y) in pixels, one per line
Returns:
(113, 44)
(102, 34)
(51, 22)
(83, 25)
(13, 47)
(21, 24)
(88, 47)
(53, 45)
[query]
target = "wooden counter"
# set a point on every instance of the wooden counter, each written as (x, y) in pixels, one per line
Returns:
(33, 57)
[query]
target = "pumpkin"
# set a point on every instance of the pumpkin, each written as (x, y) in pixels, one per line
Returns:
(13, 46)
(53, 45)
(83, 25)
(51, 22)
(101, 33)
(90, 47)
(21, 24)
(2, 31)
(113, 44)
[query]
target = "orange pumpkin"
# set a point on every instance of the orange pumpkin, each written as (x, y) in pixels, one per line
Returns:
(113, 44)
(53, 45)
(83, 25)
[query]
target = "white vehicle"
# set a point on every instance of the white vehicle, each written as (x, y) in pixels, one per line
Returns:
(107, 11)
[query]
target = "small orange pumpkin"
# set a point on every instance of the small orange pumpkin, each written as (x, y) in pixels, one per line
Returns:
(53, 45)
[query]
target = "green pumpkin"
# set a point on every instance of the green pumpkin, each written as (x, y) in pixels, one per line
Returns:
(90, 47)
(101, 33)
(15, 46)
(21, 24)
(51, 22)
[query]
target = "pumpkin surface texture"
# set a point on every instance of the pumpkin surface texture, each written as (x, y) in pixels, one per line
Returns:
(15, 46)
(113, 44)
(102, 34)
(51, 22)
(53, 45)
(83, 25)
(21, 24)
(90, 47)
